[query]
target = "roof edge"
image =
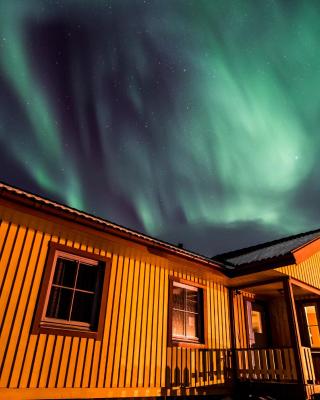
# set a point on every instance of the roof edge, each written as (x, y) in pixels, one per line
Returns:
(263, 265)
(29, 200)
(223, 257)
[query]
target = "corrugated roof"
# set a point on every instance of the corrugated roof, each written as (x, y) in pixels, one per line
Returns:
(269, 250)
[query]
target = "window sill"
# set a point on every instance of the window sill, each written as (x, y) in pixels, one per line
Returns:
(187, 344)
(66, 330)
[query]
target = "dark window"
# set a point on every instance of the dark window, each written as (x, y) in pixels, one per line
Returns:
(71, 296)
(74, 288)
(186, 312)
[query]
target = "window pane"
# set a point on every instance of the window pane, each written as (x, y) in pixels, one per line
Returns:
(87, 277)
(192, 300)
(65, 272)
(192, 325)
(177, 323)
(82, 307)
(59, 303)
(178, 298)
(256, 321)
(313, 325)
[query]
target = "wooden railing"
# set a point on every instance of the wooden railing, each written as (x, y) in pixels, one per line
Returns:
(266, 365)
(197, 367)
(307, 365)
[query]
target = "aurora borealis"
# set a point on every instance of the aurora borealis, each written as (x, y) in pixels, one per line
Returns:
(194, 121)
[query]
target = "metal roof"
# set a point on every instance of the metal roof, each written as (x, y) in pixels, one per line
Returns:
(269, 250)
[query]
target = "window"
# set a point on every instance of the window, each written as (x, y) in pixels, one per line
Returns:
(256, 324)
(312, 324)
(186, 310)
(72, 292)
(256, 321)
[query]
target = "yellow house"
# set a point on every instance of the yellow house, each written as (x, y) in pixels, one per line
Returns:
(90, 309)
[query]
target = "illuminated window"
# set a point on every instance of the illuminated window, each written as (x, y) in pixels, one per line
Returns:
(313, 325)
(187, 311)
(71, 295)
(256, 321)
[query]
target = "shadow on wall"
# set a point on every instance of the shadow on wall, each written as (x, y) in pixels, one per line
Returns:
(196, 368)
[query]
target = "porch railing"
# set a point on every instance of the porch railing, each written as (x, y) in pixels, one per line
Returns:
(266, 365)
(197, 367)
(307, 365)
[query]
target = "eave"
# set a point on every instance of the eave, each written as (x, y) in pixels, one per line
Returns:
(33, 202)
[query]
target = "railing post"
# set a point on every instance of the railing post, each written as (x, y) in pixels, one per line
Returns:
(233, 337)
(294, 330)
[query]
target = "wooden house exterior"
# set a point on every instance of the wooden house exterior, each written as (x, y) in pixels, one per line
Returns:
(90, 309)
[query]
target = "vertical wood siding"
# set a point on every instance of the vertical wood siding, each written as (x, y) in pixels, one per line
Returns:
(278, 320)
(306, 271)
(133, 350)
(279, 323)
(240, 316)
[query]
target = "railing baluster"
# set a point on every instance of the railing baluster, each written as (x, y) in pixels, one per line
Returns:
(239, 364)
(197, 365)
(280, 364)
(174, 366)
(250, 363)
(272, 364)
(216, 366)
(264, 368)
(257, 367)
(184, 378)
(189, 367)
(220, 366)
(169, 367)
(211, 372)
(192, 368)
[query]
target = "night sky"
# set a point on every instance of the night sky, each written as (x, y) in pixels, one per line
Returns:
(193, 121)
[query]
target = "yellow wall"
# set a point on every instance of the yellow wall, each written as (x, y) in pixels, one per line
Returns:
(132, 352)
(307, 271)
(240, 317)
(279, 322)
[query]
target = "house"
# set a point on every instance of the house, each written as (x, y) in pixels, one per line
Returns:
(90, 309)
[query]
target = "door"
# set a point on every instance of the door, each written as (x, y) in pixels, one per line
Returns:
(257, 324)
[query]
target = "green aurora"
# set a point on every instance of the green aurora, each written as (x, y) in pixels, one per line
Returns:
(189, 120)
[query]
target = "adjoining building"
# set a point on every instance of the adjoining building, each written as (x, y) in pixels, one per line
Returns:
(91, 310)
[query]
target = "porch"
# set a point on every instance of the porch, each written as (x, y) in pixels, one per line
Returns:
(282, 335)
(272, 343)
